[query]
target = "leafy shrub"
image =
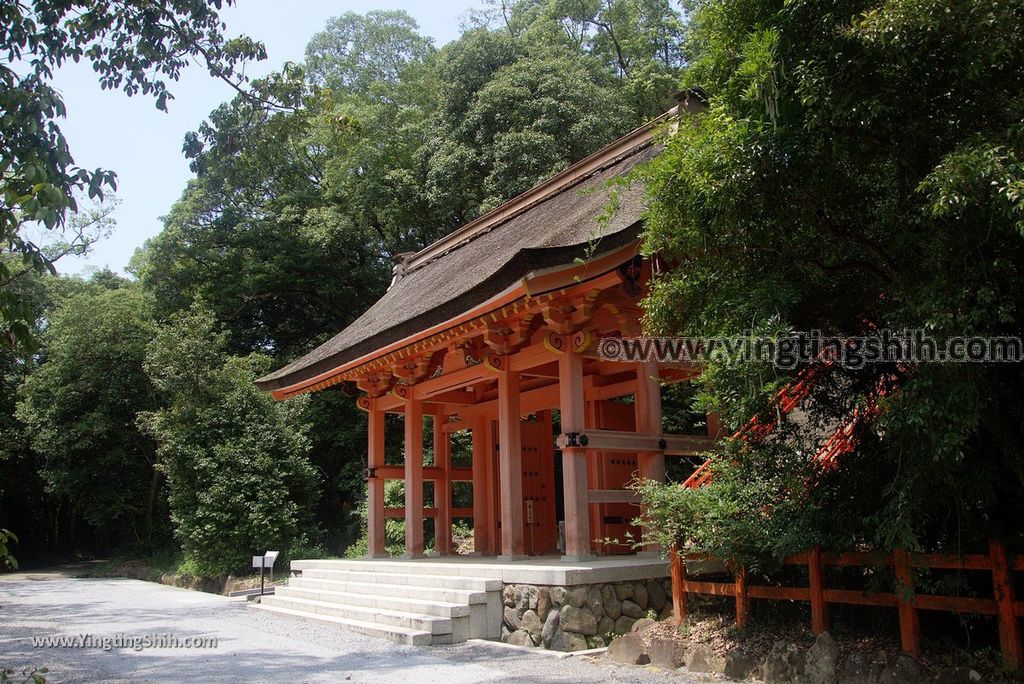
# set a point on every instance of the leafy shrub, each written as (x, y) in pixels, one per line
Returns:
(239, 482)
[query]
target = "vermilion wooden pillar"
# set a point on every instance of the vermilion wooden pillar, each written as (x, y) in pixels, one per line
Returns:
(910, 631)
(375, 485)
(442, 490)
(510, 465)
(494, 510)
(1002, 588)
(819, 606)
(574, 459)
(651, 464)
(413, 478)
(481, 503)
(592, 417)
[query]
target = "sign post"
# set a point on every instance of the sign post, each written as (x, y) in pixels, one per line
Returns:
(267, 560)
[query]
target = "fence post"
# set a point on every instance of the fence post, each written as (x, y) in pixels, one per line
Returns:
(819, 607)
(1002, 590)
(678, 590)
(742, 600)
(910, 631)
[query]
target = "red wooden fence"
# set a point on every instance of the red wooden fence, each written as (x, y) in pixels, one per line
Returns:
(1003, 605)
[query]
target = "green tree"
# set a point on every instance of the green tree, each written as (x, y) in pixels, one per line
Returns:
(133, 46)
(531, 117)
(366, 53)
(235, 460)
(24, 507)
(287, 231)
(537, 85)
(78, 407)
(858, 164)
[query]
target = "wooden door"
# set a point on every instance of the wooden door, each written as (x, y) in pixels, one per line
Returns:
(540, 527)
(618, 470)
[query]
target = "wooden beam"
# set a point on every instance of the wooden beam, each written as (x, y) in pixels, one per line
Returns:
(574, 458)
(457, 426)
(530, 401)
(430, 473)
(399, 512)
(375, 486)
(510, 464)
(546, 398)
(620, 440)
(414, 478)
(605, 496)
(449, 381)
(612, 391)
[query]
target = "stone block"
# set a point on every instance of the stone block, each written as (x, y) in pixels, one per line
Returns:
(628, 649)
(579, 620)
(630, 609)
(665, 652)
(624, 624)
(568, 641)
(702, 659)
(551, 628)
(656, 597)
(595, 601)
(577, 597)
(532, 624)
(856, 669)
(642, 624)
(640, 595)
(512, 618)
(784, 664)
(543, 603)
(521, 637)
(822, 660)
(738, 664)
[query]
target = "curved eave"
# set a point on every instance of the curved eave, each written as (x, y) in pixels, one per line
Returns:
(515, 297)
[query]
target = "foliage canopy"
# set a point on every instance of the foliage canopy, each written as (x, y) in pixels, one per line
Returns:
(858, 166)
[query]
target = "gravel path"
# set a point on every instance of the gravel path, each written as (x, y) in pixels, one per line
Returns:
(251, 646)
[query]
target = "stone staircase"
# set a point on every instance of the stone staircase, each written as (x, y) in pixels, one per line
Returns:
(403, 602)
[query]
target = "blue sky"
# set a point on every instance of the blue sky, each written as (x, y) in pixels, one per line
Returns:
(129, 136)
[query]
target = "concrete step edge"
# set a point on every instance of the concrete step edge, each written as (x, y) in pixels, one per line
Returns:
(412, 637)
(485, 583)
(345, 598)
(470, 596)
(437, 624)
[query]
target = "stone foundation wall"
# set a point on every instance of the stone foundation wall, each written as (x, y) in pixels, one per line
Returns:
(580, 617)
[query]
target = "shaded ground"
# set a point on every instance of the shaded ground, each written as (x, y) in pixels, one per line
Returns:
(251, 646)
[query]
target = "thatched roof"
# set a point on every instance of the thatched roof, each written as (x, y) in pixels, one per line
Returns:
(550, 225)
